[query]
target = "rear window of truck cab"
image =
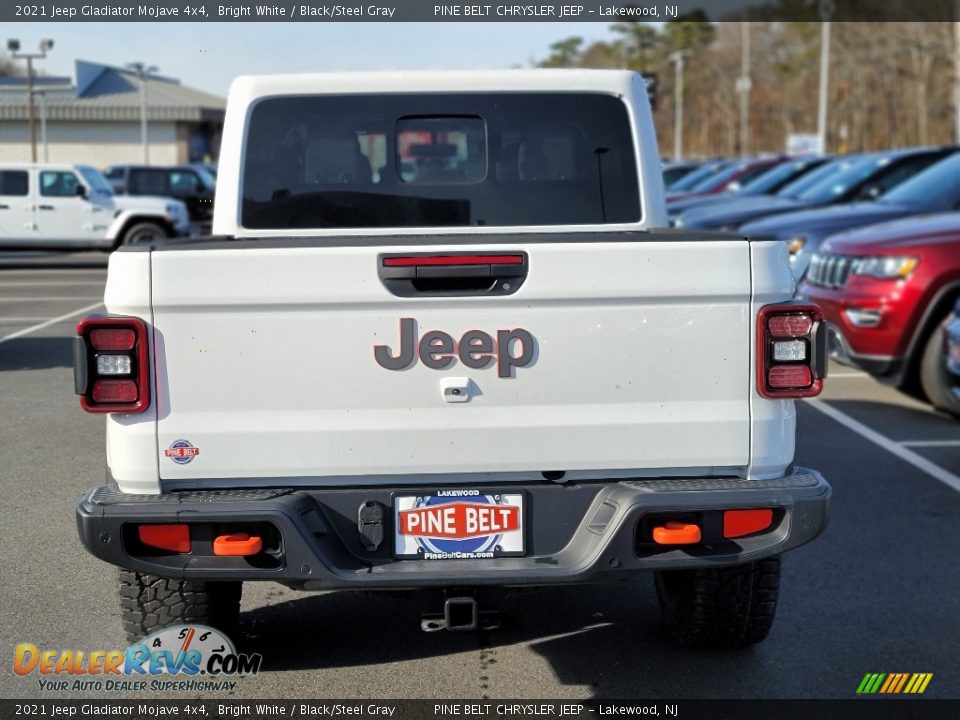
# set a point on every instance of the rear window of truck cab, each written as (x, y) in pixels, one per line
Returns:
(450, 160)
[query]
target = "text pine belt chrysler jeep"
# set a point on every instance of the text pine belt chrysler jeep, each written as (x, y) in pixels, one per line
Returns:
(437, 344)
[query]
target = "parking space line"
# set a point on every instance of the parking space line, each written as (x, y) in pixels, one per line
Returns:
(891, 446)
(930, 443)
(21, 320)
(48, 323)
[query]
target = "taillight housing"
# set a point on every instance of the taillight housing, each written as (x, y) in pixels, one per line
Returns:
(111, 368)
(791, 351)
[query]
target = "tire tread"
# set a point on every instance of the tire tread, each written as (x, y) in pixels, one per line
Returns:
(149, 603)
(729, 607)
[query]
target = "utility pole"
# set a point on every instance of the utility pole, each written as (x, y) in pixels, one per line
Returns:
(826, 12)
(956, 68)
(743, 88)
(43, 125)
(143, 71)
(677, 58)
(13, 45)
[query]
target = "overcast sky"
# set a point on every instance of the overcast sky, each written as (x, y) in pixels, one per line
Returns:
(209, 55)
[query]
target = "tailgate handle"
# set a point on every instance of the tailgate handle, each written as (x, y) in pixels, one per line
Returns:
(451, 274)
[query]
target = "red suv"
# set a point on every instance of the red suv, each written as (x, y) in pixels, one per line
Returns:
(886, 292)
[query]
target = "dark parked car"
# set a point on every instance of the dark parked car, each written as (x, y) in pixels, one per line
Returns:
(192, 184)
(886, 292)
(857, 177)
(735, 175)
(674, 171)
(935, 189)
(703, 171)
(769, 182)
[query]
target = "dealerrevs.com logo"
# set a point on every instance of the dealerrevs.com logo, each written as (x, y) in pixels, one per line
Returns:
(183, 657)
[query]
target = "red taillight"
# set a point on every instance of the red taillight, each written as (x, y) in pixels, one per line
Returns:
(789, 376)
(790, 326)
(111, 365)
(740, 523)
(171, 537)
(114, 391)
(791, 351)
(112, 339)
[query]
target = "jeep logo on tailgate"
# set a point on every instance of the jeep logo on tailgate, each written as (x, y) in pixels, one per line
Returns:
(476, 349)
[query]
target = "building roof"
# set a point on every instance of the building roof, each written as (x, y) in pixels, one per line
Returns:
(109, 94)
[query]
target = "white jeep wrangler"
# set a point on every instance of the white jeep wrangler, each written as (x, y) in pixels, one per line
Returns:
(72, 207)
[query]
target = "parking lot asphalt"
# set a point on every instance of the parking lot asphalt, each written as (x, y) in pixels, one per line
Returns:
(878, 592)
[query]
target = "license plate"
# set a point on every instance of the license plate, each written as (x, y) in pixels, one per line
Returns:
(458, 525)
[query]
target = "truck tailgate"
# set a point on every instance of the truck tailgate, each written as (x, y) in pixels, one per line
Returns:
(265, 363)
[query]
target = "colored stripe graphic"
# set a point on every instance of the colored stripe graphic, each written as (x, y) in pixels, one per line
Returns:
(894, 683)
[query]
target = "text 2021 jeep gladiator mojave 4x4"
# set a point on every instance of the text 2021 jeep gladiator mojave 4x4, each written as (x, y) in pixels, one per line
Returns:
(437, 342)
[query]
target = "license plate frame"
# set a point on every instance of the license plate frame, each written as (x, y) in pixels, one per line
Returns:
(471, 511)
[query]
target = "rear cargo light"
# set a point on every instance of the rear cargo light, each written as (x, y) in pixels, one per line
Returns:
(111, 365)
(791, 351)
(414, 260)
(174, 538)
(740, 523)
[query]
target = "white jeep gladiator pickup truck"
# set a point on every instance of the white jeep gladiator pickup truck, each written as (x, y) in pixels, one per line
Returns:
(439, 343)
(70, 207)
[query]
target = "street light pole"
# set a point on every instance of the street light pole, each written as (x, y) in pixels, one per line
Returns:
(824, 84)
(743, 87)
(826, 12)
(14, 47)
(677, 58)
(143, 70)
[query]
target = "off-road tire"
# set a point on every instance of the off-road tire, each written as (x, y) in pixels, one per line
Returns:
(144, 232)
(934, 378)
(149, 603)
(729, 607)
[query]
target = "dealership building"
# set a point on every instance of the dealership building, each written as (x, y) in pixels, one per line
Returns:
(96, 119)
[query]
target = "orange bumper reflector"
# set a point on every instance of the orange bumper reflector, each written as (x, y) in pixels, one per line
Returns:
(237, 544)
(676, 533)
(739, 523)
(171, 537)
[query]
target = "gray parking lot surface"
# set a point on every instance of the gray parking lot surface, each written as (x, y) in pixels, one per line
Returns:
(878, 592)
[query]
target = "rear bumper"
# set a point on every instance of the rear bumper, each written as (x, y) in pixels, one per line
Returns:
(575, 534)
